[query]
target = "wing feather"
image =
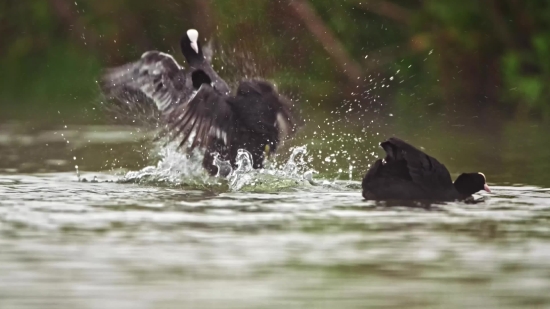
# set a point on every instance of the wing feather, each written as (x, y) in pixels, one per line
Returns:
(207, 114)
(157, 76)
(424, 170)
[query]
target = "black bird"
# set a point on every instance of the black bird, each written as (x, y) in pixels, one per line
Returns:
(254, 119)
(407, 173)
(195, 104)
(200, 68)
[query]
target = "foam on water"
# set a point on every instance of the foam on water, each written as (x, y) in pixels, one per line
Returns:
(177, 168)
(293, 174)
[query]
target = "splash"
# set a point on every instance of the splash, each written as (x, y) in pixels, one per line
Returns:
(296, 164)
(244, 173)
(293, 174)
(179, 169)
(77, 173)
(224, 167)
(175, 168)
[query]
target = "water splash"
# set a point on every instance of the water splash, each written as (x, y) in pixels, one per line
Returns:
(175, 168)
(296, 163)
(244, 173)
(224, 167)
(290, 175)
(244, 161)
(77, 173)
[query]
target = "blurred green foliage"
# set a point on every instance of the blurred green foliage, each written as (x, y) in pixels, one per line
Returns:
(460, 55)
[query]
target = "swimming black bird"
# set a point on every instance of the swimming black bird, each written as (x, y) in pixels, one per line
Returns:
(195, 104)
(407, 173)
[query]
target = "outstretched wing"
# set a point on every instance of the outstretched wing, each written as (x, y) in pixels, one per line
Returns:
(132, 106)
(156, 76)
(424, 170)
(205, 117)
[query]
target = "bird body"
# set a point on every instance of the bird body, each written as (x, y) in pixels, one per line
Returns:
(407, 173)
(196, 105)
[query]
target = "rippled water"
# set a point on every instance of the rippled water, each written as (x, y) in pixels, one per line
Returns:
(124, 243)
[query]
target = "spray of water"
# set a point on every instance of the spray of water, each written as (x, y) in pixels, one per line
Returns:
(292, 174)
(224, 167)
(174, 168)
(328, 142)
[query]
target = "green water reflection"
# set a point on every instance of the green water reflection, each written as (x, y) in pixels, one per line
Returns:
(508, 152)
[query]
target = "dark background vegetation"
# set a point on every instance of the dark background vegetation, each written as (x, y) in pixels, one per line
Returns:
(445, 69)
(463, 54)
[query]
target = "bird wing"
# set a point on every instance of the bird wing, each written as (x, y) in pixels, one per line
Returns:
(285, 120)
(157, 76)
(372, 173)
(206, 116)
(424, 170)
(262, 109)
(132, 106)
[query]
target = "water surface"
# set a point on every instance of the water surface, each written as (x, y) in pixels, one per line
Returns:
(119, 242)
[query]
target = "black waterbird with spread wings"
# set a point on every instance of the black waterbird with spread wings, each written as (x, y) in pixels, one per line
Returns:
(196, 107)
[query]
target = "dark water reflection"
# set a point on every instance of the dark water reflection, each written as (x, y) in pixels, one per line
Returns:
(69, 244)
(508, 152)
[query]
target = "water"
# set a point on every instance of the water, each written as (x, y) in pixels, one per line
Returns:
(129, 240)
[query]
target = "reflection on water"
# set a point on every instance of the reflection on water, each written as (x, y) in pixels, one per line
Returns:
(70, 244)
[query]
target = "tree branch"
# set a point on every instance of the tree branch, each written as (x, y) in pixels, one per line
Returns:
(332, 45)
(387, 9)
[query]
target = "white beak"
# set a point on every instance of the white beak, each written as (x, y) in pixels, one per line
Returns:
(195, 47)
